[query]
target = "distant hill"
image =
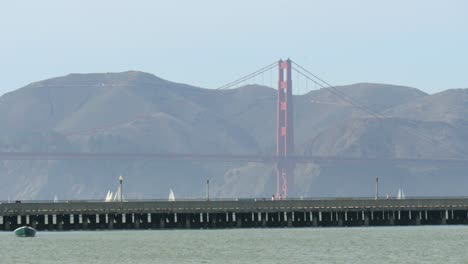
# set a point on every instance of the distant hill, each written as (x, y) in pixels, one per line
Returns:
(139, 112)
(450, 106)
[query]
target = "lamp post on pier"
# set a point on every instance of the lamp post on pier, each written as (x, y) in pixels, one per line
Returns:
(208, 189)
(121, 190)
(376, 188)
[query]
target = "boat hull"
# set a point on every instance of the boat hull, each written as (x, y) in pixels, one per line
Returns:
(25, 231)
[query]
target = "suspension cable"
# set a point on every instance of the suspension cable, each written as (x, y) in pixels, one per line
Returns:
(332, 89)
(347, 99)
(328, 85)
(248, 76)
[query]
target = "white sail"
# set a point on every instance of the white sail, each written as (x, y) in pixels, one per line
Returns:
(55, 199)
(401, 194)
(171, 195)
(108, 196)
(117, 195)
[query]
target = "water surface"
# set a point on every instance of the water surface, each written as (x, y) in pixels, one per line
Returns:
(427, 244)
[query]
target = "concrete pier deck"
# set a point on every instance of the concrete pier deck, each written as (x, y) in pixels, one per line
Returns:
(242, 213)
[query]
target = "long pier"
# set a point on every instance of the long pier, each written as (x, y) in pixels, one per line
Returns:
(244, 213)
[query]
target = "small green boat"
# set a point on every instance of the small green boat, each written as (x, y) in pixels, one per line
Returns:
(25, 231)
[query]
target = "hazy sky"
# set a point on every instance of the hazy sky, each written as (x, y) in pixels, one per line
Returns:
(423, 43)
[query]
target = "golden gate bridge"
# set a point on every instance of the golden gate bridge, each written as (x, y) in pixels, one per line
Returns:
(285, 158)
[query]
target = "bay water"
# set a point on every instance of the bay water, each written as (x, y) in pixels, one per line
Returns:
(423, 244)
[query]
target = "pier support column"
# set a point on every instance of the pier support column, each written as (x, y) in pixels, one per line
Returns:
(154, 222)
(391, 218)
(110, 221)
(214, 220)
(137, 220)
(340, 219)
(123, 222)
(162, 221)
(34, 221)
(444, 217)
(84, 221)
(60, 222)
(314, 220)
(238, 221)
(366, 219)
(418, 218)
(7, 223)
(289, 219)
(46, 220)
(188, 221)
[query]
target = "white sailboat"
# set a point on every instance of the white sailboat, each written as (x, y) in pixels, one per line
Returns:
(171, 196)
(117, 196)
(108, 196)
(401, 194)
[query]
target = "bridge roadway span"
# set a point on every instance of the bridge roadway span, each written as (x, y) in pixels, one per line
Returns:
(245, 213)
(268, 159)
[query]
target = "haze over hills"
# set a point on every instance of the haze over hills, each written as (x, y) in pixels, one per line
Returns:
(139, 112)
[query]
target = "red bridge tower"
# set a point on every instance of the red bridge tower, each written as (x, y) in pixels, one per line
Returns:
(285, 129)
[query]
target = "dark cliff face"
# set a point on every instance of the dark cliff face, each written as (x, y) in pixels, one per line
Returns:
(138, 112)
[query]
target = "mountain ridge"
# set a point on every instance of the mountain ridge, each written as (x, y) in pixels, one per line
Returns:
(134, 111)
